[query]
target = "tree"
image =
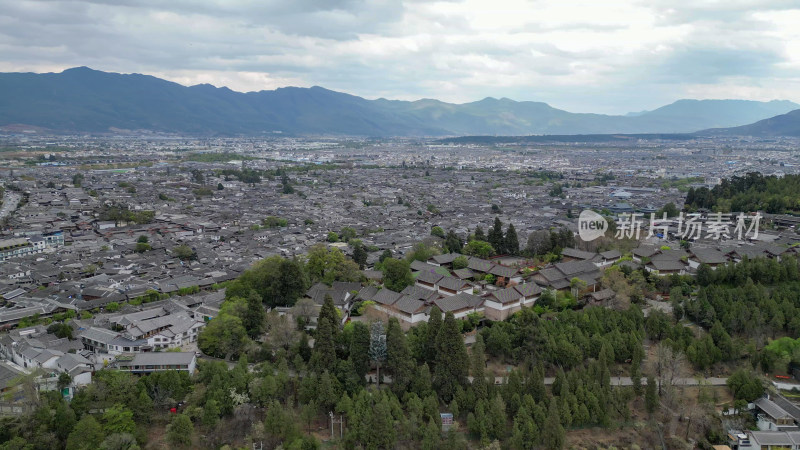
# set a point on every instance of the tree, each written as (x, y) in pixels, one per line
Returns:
(452, 242)
(481, 249)
(143, 239)
(460, 262)
(120, 441)
(223, 337)
(636, 373)
(538, 243)
(360, 255)
(329, 265)
(438, 232)
(184, 252)
(496, 238)
(421, 252)
(377, 346)
(220, 186)
(324, 355)
(359, 348)
(511, 242)
(651, 395)
(745, 385)
(142, 247)
(87, 434)
(576, 285)
(179, 432)
(63, 420)
(64, 380)
(399, 363)
(431, 334)
(347, 234)
(553, 434)
(670, 209)
(452, 362)
(479, 236)
(385, 255)
(198, 177)
(118, 419)
(333, 236)
(478, 360)
(253, 320)
(397, 274)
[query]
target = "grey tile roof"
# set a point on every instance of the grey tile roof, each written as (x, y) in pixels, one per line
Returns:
(528, 289)
(453, 283)
(408, 304)
(506, 295)
(386, 297)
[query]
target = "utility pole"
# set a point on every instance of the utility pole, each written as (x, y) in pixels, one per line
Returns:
(340, 421)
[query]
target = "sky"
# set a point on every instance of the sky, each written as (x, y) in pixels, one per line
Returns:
(604, 56)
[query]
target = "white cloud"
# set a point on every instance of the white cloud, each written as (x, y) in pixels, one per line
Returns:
(582, 55)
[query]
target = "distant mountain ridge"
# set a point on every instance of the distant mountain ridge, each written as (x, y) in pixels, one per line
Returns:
(783, 125)
(86, 100)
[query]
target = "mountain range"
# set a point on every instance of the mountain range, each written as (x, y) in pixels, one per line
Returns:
(86, 100)
(783, 125)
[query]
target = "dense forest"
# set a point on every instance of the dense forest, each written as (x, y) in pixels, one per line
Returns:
(390, 386)
(750, 193)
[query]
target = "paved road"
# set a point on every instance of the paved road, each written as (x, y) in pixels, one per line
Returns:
(626, 381)
(10, 201)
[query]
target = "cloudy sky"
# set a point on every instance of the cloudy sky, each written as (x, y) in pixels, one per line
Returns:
(611, 56)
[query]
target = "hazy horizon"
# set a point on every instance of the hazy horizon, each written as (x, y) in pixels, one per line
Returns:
(580, 56)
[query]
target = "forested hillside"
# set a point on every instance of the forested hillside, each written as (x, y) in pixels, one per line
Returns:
(750, 193)
(390, 386)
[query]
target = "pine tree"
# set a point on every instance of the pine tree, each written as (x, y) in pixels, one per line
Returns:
(253, 319)
(179, 432)
(360, 255)
(422, 384)
(324, 355)
(399, 363)
(479, 236)
(636, 374)
(452, 362)
(497, 418)
(553, 434)
(377, 346)
(453, 243)
(511, 241)
(359, 348)
(432, 331)
(210, 413)
(328, 311)
(651, 395)
(496, 238)
(479, 385)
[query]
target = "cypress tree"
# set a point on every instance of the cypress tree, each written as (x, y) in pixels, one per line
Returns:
(453, 243)
(650, 395)
(479, 236)
(511, 241)
(434, 324)
(479, 384)
(359, 349)
(496, 237)
(636, 374)
(328, 311)
(324, 355)
(398, 358)
(553, 434)
(452, 362)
